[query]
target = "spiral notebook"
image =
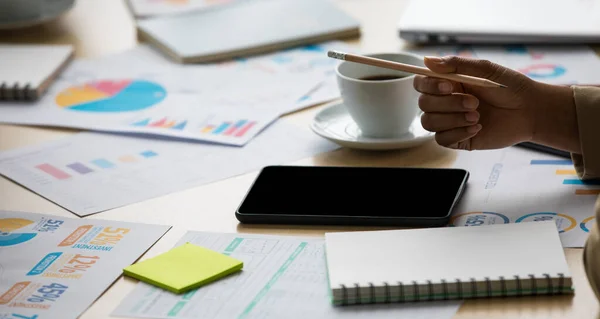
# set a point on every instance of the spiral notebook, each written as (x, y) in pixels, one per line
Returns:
(446, 263)
(27, 70)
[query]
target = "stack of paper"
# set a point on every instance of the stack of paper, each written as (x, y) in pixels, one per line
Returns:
(228, 103)
(88, 173)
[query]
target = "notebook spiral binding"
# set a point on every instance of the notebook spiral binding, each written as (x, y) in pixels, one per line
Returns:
(16, 92)
(429, 295)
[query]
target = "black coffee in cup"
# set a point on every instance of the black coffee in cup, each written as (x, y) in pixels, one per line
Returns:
(380, 77)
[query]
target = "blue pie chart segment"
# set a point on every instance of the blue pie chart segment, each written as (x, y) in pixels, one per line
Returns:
(110, 96)
(15, 238)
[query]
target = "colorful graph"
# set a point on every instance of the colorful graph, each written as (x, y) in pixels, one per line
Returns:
(81, 168)
(586, 224)
(570, 176)
(7, 235)
(148, 154)
(128, 159)
(53, 171)
(236, 129)
(563, 222)
(576, 181)
(543, 71)
(595, 192)
(103, 163)
(478, 219)
(313, 48)
(111, 96)
(551, 162)
(566, 172)
(161, 123)
(537, 70)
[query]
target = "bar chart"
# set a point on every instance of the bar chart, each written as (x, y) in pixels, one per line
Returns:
(570, 175)
(163, 122)
(214, 121)
(229, 128)
(516, 185)
(103, 163)
(80, 168)
(53, 171)
(114, 170)
(67, 171)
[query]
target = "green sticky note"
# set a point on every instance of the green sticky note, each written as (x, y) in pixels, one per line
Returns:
(184, 268)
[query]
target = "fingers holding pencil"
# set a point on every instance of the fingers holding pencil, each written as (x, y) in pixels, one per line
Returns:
(443, 67)
(476, 68)
(466, 116)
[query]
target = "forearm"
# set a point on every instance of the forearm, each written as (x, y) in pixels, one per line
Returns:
(555, 118)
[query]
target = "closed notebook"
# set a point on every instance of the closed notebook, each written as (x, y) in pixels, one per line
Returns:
(27, 70)
(446, 263)
(246, 28)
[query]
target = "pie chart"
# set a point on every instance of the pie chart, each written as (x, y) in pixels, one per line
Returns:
(109, 96)
(14, 239)
(7, 235)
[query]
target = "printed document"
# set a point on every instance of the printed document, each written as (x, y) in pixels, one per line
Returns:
(54, 267)
(283, 277)
(517, 185)
(91, 172)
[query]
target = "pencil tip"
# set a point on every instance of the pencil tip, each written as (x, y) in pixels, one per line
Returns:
(503, 86)
(336, 55)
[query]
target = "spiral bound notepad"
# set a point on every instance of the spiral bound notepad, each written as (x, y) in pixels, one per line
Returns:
(446, 263)
(26, 70)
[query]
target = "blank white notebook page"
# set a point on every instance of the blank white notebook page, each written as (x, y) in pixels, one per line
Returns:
(448, 253)
(31, 64)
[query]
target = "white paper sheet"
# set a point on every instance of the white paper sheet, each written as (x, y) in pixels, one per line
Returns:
(299, 61)
(327, 91)
(310, 59)
(563, 65)
(90, 172)
(516, 185)
(54, 267)
(211, 103)
(283, 277)
(148, 8)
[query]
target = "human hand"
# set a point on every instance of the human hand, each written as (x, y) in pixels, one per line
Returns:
(471, 117)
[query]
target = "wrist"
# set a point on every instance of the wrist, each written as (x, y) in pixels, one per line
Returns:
(555, 118)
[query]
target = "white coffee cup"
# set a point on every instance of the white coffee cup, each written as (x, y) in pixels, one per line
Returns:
(380, 108)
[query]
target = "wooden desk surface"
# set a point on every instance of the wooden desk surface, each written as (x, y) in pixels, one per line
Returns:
(98, 27)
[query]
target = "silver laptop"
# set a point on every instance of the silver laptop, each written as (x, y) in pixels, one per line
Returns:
(501, 21)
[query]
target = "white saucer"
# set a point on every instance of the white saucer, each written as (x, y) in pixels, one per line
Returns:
(335, 124)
